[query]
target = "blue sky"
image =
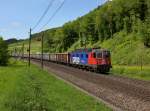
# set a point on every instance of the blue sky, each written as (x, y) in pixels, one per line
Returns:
(17, 16)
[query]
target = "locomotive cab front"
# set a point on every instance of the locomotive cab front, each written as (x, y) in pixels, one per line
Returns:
(103, 59)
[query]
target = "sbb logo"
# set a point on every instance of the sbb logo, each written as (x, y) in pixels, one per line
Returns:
(76, 60)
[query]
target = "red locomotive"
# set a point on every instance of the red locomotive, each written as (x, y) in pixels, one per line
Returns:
(95, 59)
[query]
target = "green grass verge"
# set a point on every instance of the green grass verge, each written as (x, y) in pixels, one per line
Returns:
(132, 72)
(35, 46)
(31, 89)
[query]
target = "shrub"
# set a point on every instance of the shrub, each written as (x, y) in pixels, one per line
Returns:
(3, 52)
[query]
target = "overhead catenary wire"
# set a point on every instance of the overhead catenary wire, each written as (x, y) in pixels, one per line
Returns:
(43, 15)
(42, 37)
(53, 15)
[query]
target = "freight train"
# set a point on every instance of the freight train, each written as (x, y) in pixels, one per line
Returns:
(92, 59)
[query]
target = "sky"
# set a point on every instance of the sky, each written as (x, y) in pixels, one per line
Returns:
(17, 16)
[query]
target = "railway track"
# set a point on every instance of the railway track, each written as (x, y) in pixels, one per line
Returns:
(120, 93)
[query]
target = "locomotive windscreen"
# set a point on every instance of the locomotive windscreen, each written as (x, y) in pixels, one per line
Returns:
(106, 54)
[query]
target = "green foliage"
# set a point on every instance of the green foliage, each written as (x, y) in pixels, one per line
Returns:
(3, 52)
(32, 89)
(132, 72)
(145, 32)
(127, 49)
(101, 24)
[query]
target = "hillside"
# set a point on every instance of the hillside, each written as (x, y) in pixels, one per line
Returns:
(121, 26)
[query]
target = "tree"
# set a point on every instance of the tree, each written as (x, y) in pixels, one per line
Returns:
(87, 27)
(142, 9)
(70, 35)
(146, 33)
(4, 56)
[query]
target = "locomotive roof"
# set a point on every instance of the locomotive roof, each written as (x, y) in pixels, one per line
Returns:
(89, 50)
(83, 50)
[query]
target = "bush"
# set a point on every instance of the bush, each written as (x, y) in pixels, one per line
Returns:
(3, 52)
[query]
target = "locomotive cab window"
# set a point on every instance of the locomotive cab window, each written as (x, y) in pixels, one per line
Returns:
(99, 55)
(106, 54)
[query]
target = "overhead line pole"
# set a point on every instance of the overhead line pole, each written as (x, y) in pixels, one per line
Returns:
(23, 51)
(29, 50)
(42, 44)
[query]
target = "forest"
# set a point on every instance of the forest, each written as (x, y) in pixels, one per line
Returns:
(129, 16)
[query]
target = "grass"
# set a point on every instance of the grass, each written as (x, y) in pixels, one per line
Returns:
(35, 46)
(132, 72)
(31, 89)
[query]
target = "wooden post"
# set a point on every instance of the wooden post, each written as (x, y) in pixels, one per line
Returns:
(42, 43)
(23, 51)
(29, 48)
